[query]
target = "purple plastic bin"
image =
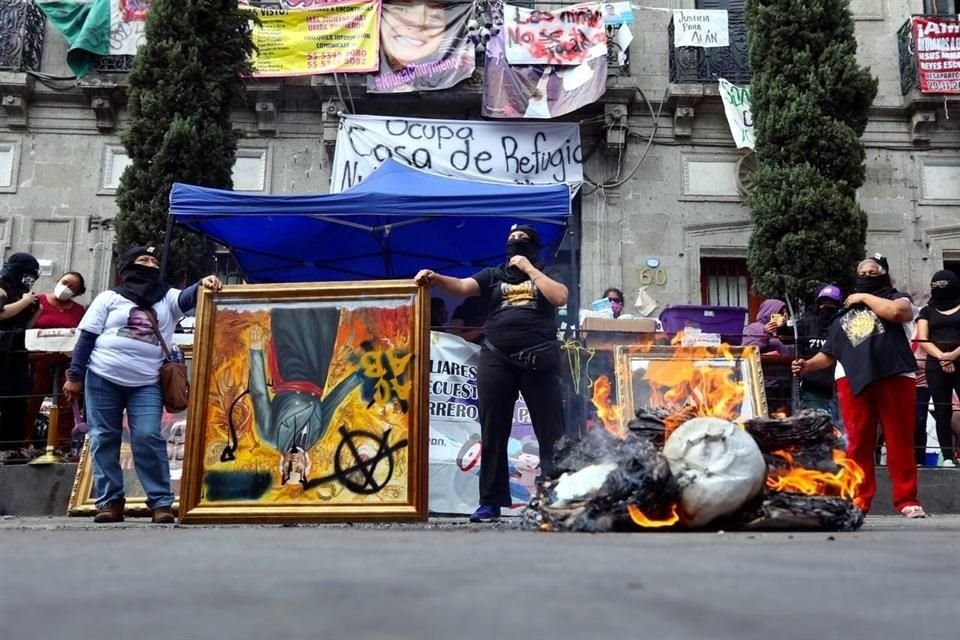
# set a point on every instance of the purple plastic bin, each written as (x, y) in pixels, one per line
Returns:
(727, 321)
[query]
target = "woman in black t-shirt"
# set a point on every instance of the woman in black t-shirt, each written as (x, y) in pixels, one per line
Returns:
(938, 330)
(18, 311)
(520, 354)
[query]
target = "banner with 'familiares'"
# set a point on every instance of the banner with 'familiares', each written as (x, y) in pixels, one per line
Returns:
(570, 35)
(424, 46)
(341, 36)
(511, 153)
(937, 41)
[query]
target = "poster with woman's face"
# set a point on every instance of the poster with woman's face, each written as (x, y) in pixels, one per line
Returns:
(423, 46)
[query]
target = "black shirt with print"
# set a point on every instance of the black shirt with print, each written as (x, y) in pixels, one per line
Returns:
(519, 315)
(868, 347)
(944, 332)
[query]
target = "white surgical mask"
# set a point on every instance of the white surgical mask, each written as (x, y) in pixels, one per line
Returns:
(62, 292)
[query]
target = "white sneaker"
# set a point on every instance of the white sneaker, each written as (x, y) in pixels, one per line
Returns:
(949, 463)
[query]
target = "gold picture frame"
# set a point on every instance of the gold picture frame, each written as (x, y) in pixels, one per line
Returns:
(679, 362)
(83, 501)
(309, 404)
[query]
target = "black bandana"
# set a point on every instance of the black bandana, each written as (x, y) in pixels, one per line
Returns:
(944, 290)
(140, 284)
(527, 248)
(17, 267)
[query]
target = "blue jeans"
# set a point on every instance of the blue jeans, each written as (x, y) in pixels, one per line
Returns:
(105, 404)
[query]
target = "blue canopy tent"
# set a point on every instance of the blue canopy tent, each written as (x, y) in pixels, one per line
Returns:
(396, 222)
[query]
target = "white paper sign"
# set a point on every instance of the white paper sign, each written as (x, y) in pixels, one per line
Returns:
(512, 153)
(128, 27)
(736, 104)
(700, 28)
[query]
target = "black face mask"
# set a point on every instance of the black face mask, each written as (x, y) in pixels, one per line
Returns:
(522, 248)
(872, 284)
(825, 314)
(944, 291)
(142, 285)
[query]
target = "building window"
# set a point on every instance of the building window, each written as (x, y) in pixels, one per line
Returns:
(729, 5)
(115, 162)
(941, 179)
(9, 163)
(726, 282)
(251, 170)
(952, 265)
(940, 7)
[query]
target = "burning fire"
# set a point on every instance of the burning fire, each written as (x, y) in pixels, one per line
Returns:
(610, 413)
(642, 520)
(843, 483)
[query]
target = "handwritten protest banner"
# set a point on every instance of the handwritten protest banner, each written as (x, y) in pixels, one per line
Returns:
(700, 28)
(424, 46)
(736, 104)
(512, 153)
(341, 36)
(938, 54)
(568, 36)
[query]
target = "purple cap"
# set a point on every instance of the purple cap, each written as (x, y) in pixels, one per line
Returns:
(830, 291)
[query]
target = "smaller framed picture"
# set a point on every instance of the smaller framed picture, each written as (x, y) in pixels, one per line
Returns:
(173, 427)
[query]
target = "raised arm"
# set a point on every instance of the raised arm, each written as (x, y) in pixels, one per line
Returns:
(463, 287)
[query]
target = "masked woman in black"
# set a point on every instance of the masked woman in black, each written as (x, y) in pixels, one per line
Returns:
(520, 354)
(938, 331)
(19, 309)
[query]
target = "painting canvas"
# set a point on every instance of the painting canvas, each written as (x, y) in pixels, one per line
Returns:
(654, 375)
(173, 428)
(309, 401)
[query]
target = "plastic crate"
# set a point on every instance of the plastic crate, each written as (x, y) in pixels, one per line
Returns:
(727, 321)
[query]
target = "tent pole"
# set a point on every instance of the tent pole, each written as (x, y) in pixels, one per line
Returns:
(165, 256)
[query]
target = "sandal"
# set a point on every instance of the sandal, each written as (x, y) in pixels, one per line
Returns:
(913, 511)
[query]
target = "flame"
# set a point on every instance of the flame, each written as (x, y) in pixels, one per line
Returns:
(844, 483)
(610, 413)
(642, 520)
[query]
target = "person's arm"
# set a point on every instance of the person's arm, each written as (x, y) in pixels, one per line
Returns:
(555, 292)
(463, 287)
(923, 338)
(187, 300)
(73, 385)
(816, 363)
(15, 308)
(257, 383)
(899, 310)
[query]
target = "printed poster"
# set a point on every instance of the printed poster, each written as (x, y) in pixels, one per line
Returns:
(700, 28)
(569, 35)
(424, 46)
(538, 91)
(736, 105)
(509, 153)
(340, 36)
(937, 41)
(455, 432)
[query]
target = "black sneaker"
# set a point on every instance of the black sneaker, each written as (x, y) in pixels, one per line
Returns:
(486, 513)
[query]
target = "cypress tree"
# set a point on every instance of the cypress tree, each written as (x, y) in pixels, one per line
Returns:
(184, 80)
(810, 102)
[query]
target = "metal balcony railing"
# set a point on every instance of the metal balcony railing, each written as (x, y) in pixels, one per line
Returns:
(21, 35)
(703, 65)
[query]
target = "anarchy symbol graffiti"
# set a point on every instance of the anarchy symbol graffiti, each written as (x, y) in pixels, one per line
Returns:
(363, 462)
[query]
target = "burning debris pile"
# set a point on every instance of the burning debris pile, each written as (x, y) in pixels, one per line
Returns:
(686, 463)
(709, 472)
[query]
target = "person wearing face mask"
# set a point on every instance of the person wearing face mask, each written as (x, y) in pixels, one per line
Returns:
(117, 362)
(18, 312)
(817, 388)
(869, 342)
(938, 332)
(520, 354)
(615, 296)
(58, 310)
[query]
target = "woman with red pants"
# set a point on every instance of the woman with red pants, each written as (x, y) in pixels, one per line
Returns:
(876, 371)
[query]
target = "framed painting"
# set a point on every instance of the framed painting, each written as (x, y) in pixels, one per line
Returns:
(727, 379)
(309, 403)
(173, 428)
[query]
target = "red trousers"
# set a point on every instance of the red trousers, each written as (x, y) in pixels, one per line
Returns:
(891, 401)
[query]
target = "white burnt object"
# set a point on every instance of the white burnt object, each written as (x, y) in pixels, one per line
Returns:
(718, 466)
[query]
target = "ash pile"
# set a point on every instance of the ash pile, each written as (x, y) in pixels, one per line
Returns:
(770, 474)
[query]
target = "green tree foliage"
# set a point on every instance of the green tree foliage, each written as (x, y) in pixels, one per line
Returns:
(184, 81)
(810, 103)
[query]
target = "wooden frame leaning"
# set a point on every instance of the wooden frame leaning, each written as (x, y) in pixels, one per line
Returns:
(309, 404)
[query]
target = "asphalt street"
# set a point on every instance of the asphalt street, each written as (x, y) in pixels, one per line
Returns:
(71, 579)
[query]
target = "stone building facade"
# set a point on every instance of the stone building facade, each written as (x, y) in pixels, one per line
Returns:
(675, 222)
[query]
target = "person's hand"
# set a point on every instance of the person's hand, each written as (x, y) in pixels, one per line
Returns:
(771, 327)
(424, 276)
(950, 356)
(855, 298)
(257, 338)
(948, 366)
(798, 367)
(211, 282)
(521, 262)
(72, 389)
(29, 299)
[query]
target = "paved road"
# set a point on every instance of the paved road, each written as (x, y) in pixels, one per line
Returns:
(66, 579)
